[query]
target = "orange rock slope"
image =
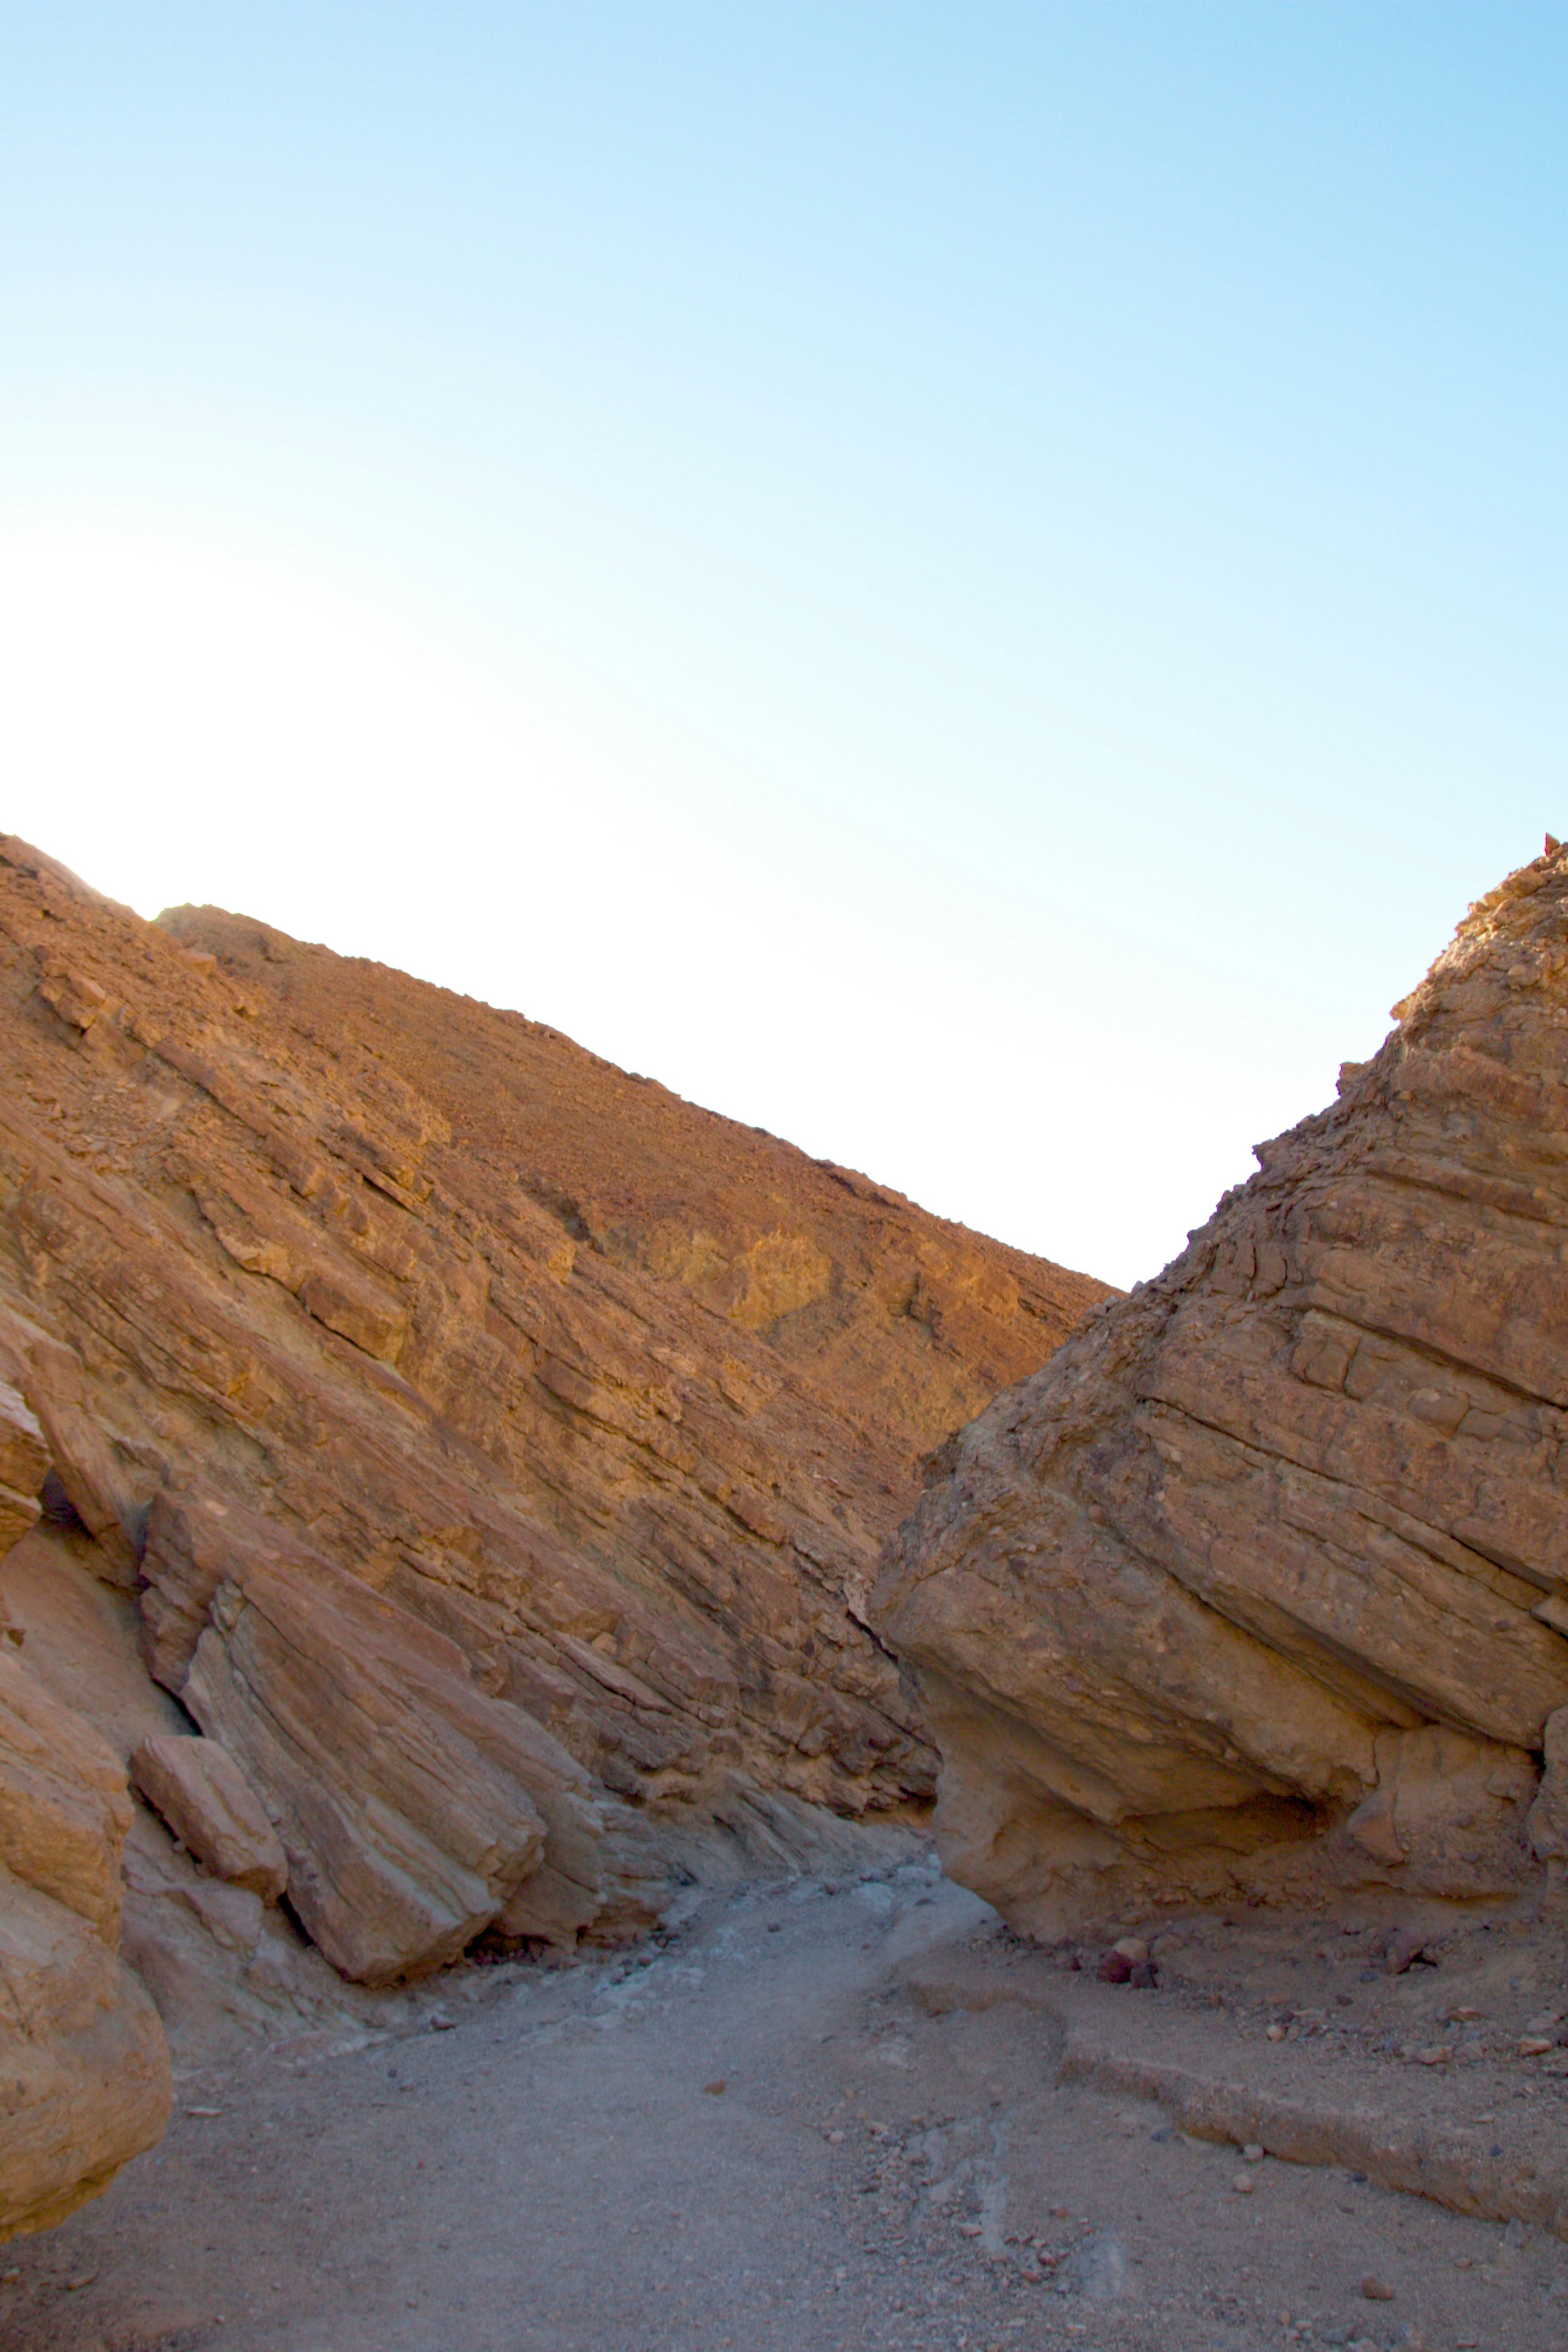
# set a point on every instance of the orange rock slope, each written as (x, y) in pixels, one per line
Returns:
(502, 1445)
(1259, 1589)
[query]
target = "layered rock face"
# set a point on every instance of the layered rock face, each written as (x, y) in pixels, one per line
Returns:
(500, 1446)
(1260, 1587)
(84, 2068)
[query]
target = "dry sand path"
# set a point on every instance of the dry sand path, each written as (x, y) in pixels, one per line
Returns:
(553, 2173)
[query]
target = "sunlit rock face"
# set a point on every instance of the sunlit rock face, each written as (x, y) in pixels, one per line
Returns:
(84, 2068)
(499, 1447)
(1260, 1587)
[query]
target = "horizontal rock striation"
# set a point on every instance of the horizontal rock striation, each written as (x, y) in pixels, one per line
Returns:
(1260, 1586)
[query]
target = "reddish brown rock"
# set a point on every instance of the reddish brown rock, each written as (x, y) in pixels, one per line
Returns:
(84, 2069)
(614, 1400)
(1261, 1585)
(211, 1809)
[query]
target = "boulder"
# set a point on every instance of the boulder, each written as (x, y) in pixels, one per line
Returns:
(1260, 1588)
(84, 2068)
(205, 1799)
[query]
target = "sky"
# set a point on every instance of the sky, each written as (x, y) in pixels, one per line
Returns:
(976, 586)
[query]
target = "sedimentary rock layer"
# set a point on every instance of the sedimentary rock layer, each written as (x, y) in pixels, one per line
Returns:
(541, 1409)
(1261, 1584)
(84, 2070)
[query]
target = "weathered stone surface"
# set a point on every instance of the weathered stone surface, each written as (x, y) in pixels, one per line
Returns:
(84, 2069)
(201, 1792)
(64, 1810)
(24, 1466)
(614, 1397)
(48, 1376)
(414, 1809)
(1548, 1822)
(1259, 1586)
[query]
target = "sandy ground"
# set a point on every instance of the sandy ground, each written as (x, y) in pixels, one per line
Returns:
(748, 2138)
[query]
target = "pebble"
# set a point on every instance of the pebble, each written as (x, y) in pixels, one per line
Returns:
(1275, 2033)
(1243, 2184)
(1377, 2290)
(715, 2088)
(1252, 2153)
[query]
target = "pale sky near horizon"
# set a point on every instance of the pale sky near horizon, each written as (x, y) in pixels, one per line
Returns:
(977, 586)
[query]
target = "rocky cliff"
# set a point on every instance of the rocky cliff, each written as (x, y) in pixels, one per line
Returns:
(490, 1450)
(1260, 1589)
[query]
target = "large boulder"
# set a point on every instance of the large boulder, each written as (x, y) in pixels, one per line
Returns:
(84, 2068)
(1260, 1586)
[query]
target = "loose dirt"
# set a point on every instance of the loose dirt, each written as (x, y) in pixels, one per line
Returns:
(754, 2136)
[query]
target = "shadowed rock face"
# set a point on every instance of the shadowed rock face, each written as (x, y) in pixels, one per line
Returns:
(546, 1410)
(1261, 1584)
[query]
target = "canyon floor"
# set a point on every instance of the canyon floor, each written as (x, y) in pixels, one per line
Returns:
(812, 2118)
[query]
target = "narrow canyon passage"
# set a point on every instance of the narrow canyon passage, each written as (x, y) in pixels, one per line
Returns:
(747, 2138)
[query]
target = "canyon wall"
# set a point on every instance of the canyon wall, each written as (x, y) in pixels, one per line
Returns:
(1259, 1591)
(486, 1452)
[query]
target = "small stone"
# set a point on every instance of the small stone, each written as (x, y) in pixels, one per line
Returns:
(1376, 2290)
(1131, 1947)
(716, 2088)
(1115, 1968)
(834, 2138)
(1275, 2033)
(1404, 1945)
(1243, 2184)
(77, 2285)
(1534, 2045)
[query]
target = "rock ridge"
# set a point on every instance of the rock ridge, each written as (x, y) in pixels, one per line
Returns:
(1258, 1590)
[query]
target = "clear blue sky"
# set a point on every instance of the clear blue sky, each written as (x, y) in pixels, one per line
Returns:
(978, 586)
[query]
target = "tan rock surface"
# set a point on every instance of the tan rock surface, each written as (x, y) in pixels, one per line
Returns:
(197, 1787)
(84, 2068)
(610, 1400)
(1261, 1585)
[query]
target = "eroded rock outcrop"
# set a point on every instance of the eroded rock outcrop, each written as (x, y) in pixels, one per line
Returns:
(1260, 1586)
(84, 2069)
(501, 1446)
